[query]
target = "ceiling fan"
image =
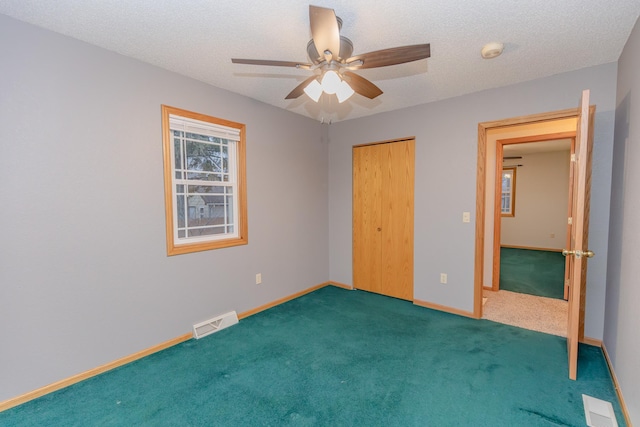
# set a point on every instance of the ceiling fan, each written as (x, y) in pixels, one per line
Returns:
(332, 61)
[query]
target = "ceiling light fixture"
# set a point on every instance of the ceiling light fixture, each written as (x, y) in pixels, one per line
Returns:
(330, 83)
(313, 90)
(344, 91)
(492, 50)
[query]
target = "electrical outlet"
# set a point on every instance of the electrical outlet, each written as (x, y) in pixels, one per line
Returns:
(466, 216)
(443, 278)
(258, 278)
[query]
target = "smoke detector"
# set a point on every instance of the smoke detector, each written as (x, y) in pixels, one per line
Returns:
(491, 50)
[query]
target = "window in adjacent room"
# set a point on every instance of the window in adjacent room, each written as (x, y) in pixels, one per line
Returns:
(508, 204)
(204, 181)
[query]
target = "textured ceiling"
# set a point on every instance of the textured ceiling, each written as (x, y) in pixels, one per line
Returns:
(197, 38)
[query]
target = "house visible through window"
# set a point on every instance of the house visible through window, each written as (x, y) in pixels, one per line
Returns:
(205, 191)
(508, 192)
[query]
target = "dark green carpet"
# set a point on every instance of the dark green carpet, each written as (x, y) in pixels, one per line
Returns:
(340, 358)
(532, 272)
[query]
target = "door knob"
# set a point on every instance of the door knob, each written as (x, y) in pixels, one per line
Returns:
(578, 253)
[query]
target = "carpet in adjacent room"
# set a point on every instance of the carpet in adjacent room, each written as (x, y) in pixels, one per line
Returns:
(533, 272)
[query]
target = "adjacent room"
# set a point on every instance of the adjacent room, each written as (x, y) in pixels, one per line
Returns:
(529, 288)
(170, 167)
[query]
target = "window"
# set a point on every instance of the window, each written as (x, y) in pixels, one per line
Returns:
(508, 204)
(204, 182)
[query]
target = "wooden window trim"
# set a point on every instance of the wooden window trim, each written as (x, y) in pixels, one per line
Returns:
(174, 248)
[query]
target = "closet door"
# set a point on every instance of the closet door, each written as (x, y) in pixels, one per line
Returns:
(367, 217)
(383, 183)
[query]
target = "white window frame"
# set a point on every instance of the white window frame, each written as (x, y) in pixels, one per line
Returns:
(234, 182)
(510, 194)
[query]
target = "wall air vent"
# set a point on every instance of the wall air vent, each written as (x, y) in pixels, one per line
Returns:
(210, 326)
(599, 413)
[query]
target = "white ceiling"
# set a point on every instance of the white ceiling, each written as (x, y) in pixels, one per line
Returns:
(198, 38)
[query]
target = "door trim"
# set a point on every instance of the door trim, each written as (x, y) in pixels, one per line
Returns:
(481, 174)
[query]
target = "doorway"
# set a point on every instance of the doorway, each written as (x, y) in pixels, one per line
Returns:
(544, 201)
(532, 182)
(527, 129)
(578, 251)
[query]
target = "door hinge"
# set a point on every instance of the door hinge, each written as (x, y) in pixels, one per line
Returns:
(570, 221)
(573, 157)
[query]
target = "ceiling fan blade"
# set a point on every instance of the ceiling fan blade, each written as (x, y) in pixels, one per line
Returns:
(301, 65)
(299, 90)
(362, 86)
(392, 56)
(325, 30)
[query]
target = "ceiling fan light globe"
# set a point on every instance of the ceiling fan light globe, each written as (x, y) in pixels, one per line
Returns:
(330, 82)
(313, 90)
(344, 92)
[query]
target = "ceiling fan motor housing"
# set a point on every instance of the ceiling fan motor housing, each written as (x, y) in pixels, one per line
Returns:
(346, 50)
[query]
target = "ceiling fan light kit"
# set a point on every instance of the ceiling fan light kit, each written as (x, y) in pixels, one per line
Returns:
(330, 82)
(313, 90)
(335, 65)
(344, 92)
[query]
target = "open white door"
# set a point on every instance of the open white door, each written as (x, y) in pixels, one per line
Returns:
(579, 228)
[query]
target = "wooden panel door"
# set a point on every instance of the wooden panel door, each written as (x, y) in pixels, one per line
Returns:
(383, 187)
(579, 231)
(367, 217)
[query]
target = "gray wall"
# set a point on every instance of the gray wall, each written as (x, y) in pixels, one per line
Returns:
(623, 293)
(84, 275)
(541, 202)
(446, 153)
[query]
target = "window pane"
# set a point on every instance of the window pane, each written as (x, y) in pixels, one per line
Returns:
(230, 209)
(206, 189)
(508, 191)
(506, 182)
(192, 214)
(225, 159)
(177, 149)
(205, 210)
(199, 137)
(203, 157)
(206, 231)
(180, 210)
(506, 202)
(204, 176)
